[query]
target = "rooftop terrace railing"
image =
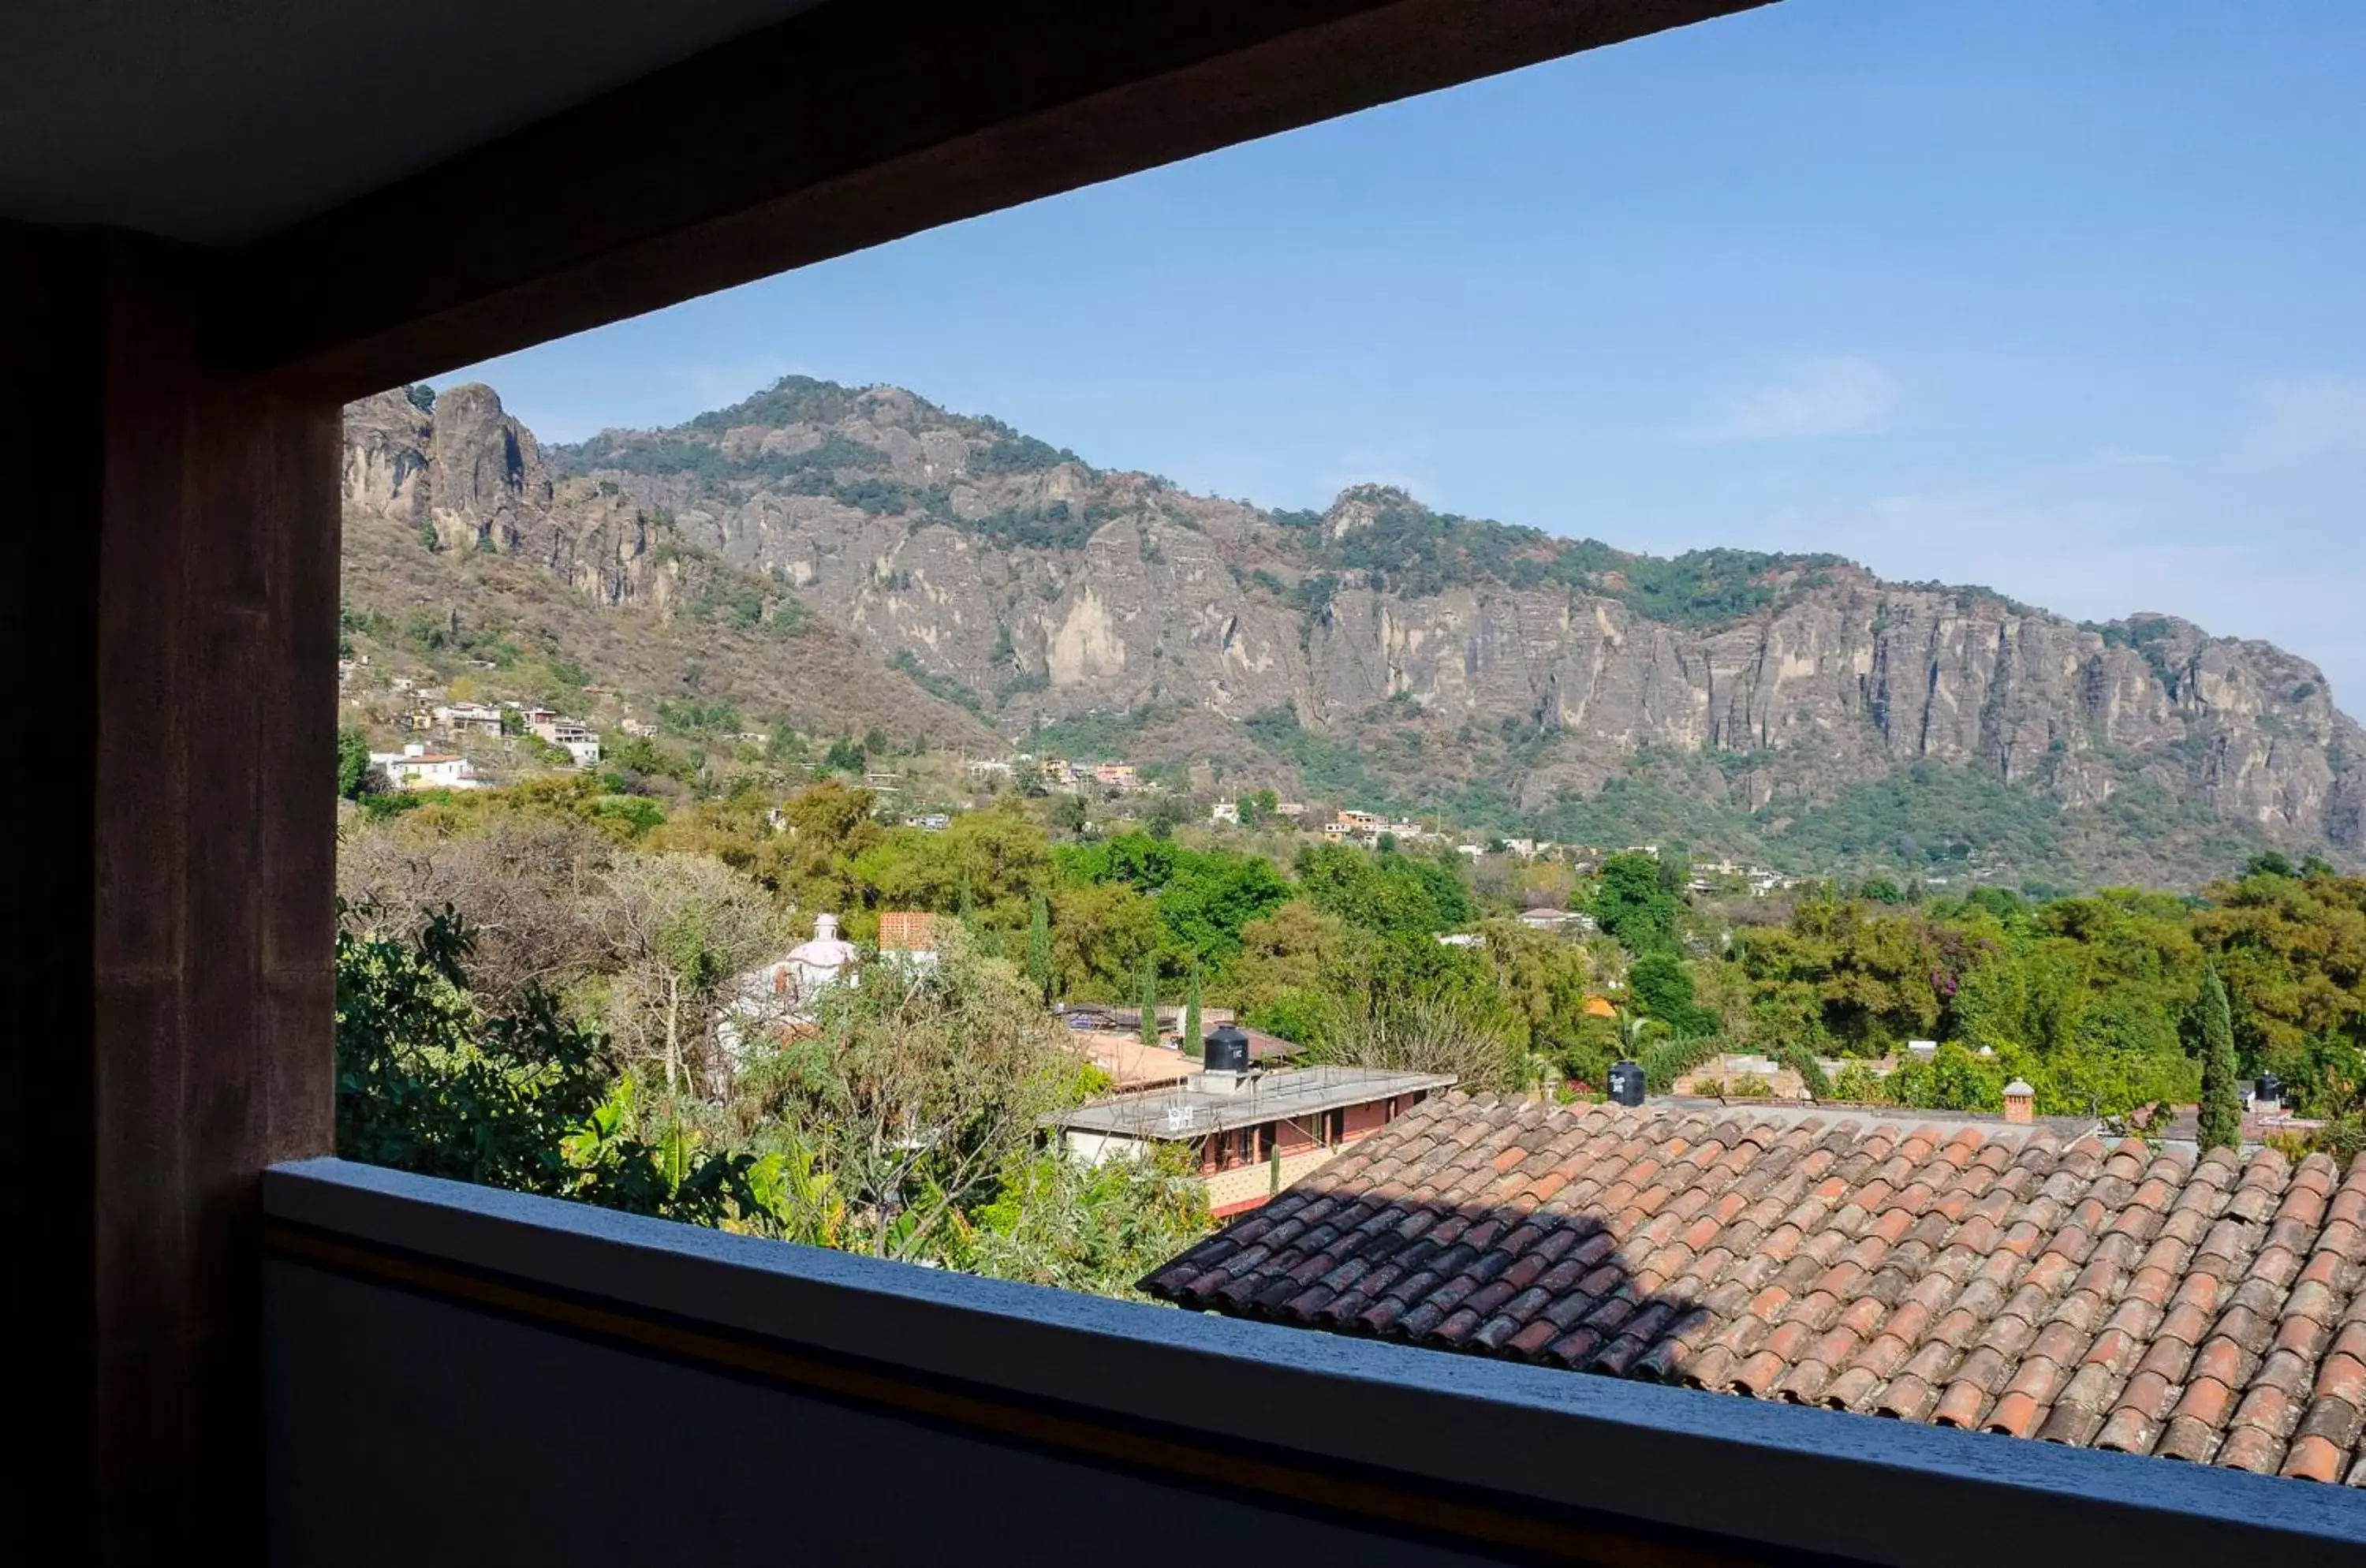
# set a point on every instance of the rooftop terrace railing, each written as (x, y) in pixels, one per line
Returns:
(473, 1375)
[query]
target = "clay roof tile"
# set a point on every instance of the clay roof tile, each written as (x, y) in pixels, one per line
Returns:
(2088, 1294)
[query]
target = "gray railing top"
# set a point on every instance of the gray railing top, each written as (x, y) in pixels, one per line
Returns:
(1777, 1477)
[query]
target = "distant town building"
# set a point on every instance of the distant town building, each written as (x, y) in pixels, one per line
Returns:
(571, 735)
(1225, 811)
(1363, 827)
(415, 767)
(467, 718)
(929, 822)
(1290, 809)
(1116, 776)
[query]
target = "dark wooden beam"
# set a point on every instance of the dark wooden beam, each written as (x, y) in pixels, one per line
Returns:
(842, 128)
(171, 616)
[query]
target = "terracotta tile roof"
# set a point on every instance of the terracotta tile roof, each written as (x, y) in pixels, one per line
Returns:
(908, 930)
(1992, 1277)
(1129, 1063)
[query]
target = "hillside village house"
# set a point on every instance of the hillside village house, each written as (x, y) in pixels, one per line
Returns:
(216, 227)
(415, 767)
(466, 718)
(569, 735)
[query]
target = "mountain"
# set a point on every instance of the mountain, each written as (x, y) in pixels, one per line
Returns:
(458, 535)
(1791, 706)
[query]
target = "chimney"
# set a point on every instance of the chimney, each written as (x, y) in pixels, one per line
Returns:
(2020, 1102)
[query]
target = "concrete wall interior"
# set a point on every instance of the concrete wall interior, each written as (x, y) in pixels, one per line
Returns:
(169, 995)
(518, 1441)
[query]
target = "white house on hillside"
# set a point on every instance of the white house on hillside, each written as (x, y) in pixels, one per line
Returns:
(415, 767)
(571, 735)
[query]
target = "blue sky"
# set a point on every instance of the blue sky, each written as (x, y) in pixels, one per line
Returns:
(2063, 296)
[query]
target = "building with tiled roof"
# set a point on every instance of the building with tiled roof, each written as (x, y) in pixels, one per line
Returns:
(908, 930)
(1975, 1274)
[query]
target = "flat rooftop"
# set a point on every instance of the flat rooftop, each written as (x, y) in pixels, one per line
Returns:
(1191, 1112)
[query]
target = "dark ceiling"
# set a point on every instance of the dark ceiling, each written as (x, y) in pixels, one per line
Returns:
(222, 121)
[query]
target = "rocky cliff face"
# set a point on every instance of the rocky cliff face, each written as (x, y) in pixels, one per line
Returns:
(455, 510)
(1434, 650)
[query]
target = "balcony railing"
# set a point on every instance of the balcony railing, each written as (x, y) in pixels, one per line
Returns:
(465, 1375)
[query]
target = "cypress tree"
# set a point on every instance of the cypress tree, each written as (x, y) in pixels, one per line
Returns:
(2222, 1100)
(1192, 1044)
(1038, 946)
(1150, 999)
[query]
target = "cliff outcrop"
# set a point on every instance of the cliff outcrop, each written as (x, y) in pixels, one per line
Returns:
(1379, 647)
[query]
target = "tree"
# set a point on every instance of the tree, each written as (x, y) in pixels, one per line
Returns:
(427, 1082)
(1192, 1044)
(2291, 951)
(917, 1092)
(1204, 896)
(1632, 906)
(1427, 1032)
(353, 779)
(1387, 893)
(2222, 1104)
(1100, 935)
(1097, 1227)
(1663, 984)
(1039, 946)
(686, 926)
(1149, 1024)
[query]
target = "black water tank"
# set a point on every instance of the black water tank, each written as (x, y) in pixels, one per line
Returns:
(1227, 1051)
(1626, 1084)
(2270, 1089)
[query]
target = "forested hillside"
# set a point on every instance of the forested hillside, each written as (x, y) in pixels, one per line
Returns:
(836, 559)
(532, 993)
